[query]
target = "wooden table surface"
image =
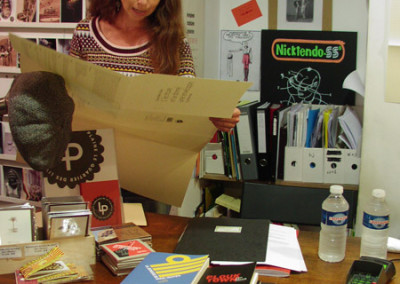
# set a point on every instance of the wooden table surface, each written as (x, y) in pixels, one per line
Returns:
(166, 230)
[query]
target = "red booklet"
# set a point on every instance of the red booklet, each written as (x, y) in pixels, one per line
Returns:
(127, 250)
(104, 199)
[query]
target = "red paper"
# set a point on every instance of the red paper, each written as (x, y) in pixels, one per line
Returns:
(246, 12)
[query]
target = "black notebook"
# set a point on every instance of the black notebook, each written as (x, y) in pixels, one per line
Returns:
(226, 239)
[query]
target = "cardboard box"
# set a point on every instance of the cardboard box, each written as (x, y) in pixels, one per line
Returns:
(78, 250)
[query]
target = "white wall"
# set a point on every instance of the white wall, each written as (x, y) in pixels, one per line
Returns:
(380, 158)
(380, 151)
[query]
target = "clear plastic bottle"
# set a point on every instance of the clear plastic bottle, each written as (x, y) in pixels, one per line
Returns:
(333, 234)
(375, 227)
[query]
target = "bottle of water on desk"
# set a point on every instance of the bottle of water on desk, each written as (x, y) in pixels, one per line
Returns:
(375, 227)
(333, 234)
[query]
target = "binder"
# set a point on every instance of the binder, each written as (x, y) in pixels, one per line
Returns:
(234, 155)
(226, 153)
(246, 135)
(282, 141)
(273, 140)
(262, 144)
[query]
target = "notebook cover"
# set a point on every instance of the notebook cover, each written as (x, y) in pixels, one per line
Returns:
(220, 238)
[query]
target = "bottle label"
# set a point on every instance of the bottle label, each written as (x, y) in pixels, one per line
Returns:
(376, 222)
(334, 218)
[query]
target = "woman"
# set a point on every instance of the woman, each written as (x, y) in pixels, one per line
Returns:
(138, 37)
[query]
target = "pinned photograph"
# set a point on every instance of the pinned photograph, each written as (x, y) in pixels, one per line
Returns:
(26, 10)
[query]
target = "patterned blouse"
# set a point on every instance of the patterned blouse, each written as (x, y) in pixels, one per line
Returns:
(89, 44)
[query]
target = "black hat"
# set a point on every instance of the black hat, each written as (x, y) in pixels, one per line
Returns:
(40, 116)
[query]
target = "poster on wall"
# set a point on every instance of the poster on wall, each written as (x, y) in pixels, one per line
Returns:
(89, 168)
(8, 55)
(240, 57)
(307, 66)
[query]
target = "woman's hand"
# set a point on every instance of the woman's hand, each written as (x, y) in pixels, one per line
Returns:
(226, 124)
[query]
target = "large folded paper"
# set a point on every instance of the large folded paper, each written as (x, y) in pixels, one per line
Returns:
(161, 122)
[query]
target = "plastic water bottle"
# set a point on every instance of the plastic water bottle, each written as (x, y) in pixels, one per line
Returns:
(333, 234)
(374, 235)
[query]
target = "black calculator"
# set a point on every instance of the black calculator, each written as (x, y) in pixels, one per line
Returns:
(371, 270)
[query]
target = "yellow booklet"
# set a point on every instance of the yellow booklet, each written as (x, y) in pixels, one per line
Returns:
(49, 269)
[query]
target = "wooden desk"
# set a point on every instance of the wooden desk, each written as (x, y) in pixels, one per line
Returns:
(165, 231)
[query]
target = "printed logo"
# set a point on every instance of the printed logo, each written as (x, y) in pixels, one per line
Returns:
(376, 222)
(175, 266)
(338, 219)
(102, 208)
(81, 161)
(326, 51)
(334, 218)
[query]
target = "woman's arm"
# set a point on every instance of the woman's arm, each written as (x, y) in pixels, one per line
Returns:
(226, 124)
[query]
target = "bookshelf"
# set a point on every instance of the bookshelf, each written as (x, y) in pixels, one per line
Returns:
(279, 200)
(49, 23)
(284, 202)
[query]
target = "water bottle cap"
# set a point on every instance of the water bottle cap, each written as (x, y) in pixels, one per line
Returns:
(336, 189)
(378, 193)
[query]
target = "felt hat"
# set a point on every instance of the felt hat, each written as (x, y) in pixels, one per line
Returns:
(40, 116)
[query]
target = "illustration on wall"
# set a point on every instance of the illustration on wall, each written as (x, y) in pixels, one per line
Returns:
(300, 10)
(8, 55)
(307, 66)
(240, 57)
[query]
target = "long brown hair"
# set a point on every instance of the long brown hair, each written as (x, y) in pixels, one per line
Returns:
(166, 27)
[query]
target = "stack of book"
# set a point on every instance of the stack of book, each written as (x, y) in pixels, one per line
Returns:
(65, 216)
(162, 267)
(119, 233)
(122, 257)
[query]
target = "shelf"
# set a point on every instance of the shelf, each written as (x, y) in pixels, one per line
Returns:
(218, 177)
(11, 200)
(34, 25)
(314, 185)
(289, 204)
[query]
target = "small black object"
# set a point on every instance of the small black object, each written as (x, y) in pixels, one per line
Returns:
(371, 270)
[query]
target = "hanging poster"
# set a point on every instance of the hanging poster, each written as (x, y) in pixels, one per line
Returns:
(240, 57)
(307, 66)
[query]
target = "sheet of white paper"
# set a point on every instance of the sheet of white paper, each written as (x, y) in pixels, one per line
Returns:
(160, 122)
(353, 82)
(283, 249)
(351, 126)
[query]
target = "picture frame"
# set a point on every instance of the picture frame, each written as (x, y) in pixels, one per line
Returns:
(68, 224)
(18, 224)
(291, 17)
